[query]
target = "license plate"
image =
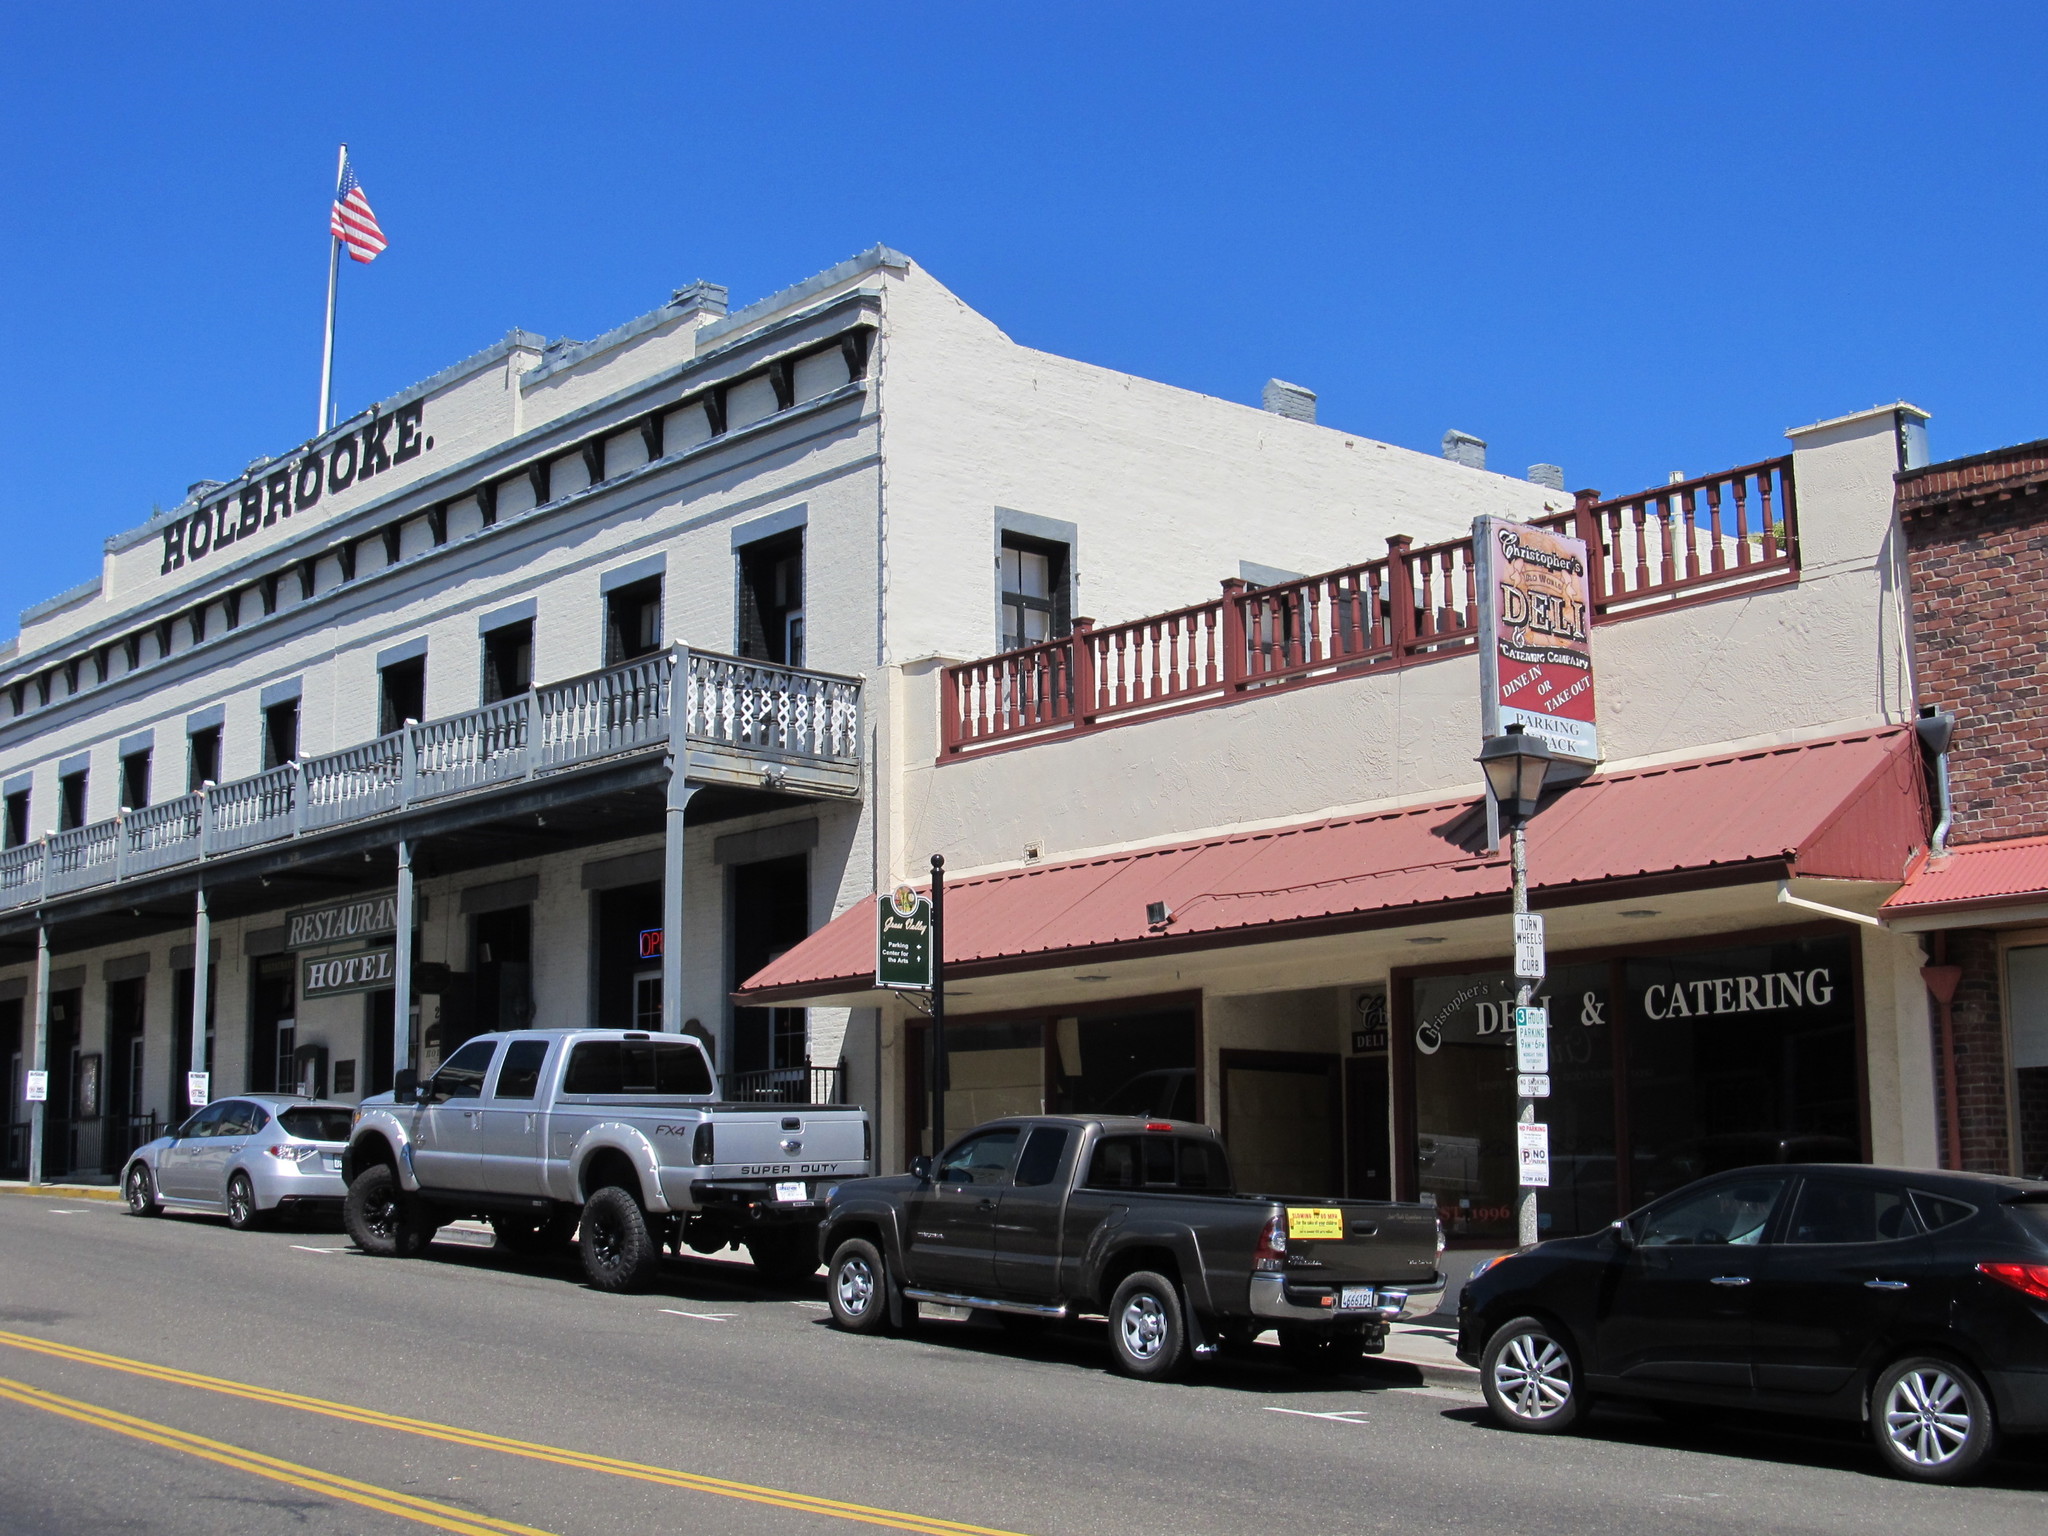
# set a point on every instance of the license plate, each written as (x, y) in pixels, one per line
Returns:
(1354, 1298)
(793, 1189)
(331, 1164)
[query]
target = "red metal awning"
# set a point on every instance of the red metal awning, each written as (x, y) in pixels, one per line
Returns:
(1845, 808)
(1981, 875)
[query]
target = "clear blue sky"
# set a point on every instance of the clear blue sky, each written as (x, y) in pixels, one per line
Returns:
(1623, 238)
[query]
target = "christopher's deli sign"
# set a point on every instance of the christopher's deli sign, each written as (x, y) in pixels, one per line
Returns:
(1535, 635)
(266, 500)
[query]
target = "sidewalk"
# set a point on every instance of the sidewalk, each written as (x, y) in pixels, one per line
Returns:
(60, 1191)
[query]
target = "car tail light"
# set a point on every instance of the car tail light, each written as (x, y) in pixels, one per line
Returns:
(2027, 1279)
(1271, 1252)
(701, 1150)
(1439, 1237)
(288, 1153)
(867, 1140)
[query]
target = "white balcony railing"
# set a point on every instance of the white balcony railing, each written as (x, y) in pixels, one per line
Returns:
(782, 715)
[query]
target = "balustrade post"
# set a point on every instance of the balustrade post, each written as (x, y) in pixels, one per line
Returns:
(206, 818)
(408, 762)
(1586, 527)
(1400, 596)
(1081, 672)
(529, 733)
(298, 783)
(1236, 665)
(121, 844)
(950, 728)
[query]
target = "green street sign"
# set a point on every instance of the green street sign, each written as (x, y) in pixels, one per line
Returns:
(903, 940)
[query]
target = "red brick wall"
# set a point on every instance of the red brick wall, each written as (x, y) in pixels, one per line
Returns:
(1980, 1056)
(1980, 631)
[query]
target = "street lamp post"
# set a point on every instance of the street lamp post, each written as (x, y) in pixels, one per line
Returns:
(1516, 764)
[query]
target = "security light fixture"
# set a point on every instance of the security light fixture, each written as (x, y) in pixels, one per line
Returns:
(1516, 765)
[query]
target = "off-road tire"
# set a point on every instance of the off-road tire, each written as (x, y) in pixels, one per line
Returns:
(244, 1215)
(382, 1219)
(857, 1287)
(139, 1190)
(619, 1252)
(1148, 1333)
(784, 1255)
(1932, 1419)
(1531, 1377)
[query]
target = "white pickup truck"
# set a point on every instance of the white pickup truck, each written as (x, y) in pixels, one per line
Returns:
(615, 1137)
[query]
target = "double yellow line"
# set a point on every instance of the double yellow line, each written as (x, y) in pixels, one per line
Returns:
(425, 1511)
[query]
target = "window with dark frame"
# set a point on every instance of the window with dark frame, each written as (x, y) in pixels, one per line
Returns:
(280, 734)
(135, 780)
(632, 621)
(202, 759)
(16, 830)
(769, 622)
(508, 661)
(1034, 583)
(401, 694)
(71, 801)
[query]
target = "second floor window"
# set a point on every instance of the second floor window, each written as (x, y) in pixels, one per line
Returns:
(16, 828)
(71, 801)
(770, 622)
(203, 759)
(280, 734)
(632, 621)
(508, 661)
(135, 781)
(1034, 577)
(401, 694)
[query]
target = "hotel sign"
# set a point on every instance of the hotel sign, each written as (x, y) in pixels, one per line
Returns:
(369, 970)
(340, 922)
(1535, 636)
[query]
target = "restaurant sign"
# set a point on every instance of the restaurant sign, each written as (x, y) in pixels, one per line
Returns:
(1535, 636)
(338, 922)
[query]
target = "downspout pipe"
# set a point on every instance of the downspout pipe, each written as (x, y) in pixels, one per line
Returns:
(1936, 729)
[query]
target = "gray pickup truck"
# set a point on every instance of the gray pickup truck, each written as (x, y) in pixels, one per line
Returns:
(615, 1137)
(1057, 1216)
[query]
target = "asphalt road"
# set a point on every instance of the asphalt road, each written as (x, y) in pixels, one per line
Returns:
(145, 1368)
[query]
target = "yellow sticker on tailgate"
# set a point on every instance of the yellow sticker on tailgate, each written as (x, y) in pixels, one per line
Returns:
(1311, 1223)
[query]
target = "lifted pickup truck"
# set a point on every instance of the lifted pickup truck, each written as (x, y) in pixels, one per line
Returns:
(613, 1136)
(1062, 1215)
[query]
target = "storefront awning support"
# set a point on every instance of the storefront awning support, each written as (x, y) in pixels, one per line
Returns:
(401, 965)
(41, 1062)
(202, 988)
(680, 793)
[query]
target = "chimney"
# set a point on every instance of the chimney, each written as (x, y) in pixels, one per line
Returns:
(1463, 448)
(707, 299)
(1549, 476)
(1289, 400)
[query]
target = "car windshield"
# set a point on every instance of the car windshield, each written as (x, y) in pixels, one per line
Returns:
(315, 1122)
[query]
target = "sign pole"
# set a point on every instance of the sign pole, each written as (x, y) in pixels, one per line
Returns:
(39, 1106)
(939, 1073)
(1525, 1107)
(197, 1069)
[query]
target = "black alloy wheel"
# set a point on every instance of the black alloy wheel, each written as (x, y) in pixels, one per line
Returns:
(857, 1287)
(243, 1213)
(382, 1219)
(1530, 1376)
(139, 1189)
(1147, 1327)
(1932, 1419)
(619, 1253)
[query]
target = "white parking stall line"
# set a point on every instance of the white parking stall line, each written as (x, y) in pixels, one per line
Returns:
(1341, 1416)
(703, 1317)
(73, 1212)
(815, 1306)
(305, 1248)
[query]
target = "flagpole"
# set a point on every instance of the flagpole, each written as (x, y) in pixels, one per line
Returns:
(333, 277)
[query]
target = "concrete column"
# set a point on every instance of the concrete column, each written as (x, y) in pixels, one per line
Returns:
(40, 1059)
(202, 989)
(680, 793)
(401, 981)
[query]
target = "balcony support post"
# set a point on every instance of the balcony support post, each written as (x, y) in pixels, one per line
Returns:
(202, 990)
(40, 1061)
(401, 966)
(680, 793)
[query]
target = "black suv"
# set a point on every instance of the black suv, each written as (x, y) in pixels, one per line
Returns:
(1912, 1300)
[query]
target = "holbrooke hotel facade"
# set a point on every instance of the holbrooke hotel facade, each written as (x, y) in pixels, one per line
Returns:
(608, 681)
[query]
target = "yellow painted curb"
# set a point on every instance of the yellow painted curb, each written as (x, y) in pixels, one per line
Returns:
(62, 1191)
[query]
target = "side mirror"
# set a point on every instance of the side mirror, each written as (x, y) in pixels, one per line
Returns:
(1624, 1234)
(921, 1169)
(405, 1086)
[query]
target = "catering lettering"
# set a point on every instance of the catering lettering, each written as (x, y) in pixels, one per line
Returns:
(263, 502)
(1768, 992)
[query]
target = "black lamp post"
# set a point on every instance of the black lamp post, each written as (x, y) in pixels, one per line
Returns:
(1516, 764)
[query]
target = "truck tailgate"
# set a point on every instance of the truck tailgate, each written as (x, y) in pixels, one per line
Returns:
(796, 1139)
(1340, 1242)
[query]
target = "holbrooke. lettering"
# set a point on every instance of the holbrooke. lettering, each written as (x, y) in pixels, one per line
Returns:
(385, 441)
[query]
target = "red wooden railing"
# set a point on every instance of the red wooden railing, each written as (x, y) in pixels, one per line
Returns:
(1691, 541)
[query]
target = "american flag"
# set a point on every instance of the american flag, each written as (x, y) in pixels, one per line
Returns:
(352, 223)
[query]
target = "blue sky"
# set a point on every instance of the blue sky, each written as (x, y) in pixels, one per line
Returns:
(1623, 238)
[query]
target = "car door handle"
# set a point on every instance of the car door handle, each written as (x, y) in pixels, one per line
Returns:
(985, 1205)
(1731, 1280)
(1885, 1285)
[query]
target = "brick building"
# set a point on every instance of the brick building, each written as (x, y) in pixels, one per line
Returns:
(1976, 551)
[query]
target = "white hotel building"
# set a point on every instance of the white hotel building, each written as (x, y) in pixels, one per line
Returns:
(581, 681)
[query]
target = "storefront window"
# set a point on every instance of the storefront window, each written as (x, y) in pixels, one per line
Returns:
(2026, 975)
(1740, 1056)
(1465, 1102)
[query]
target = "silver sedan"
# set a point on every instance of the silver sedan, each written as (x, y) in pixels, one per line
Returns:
(245, 1158)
